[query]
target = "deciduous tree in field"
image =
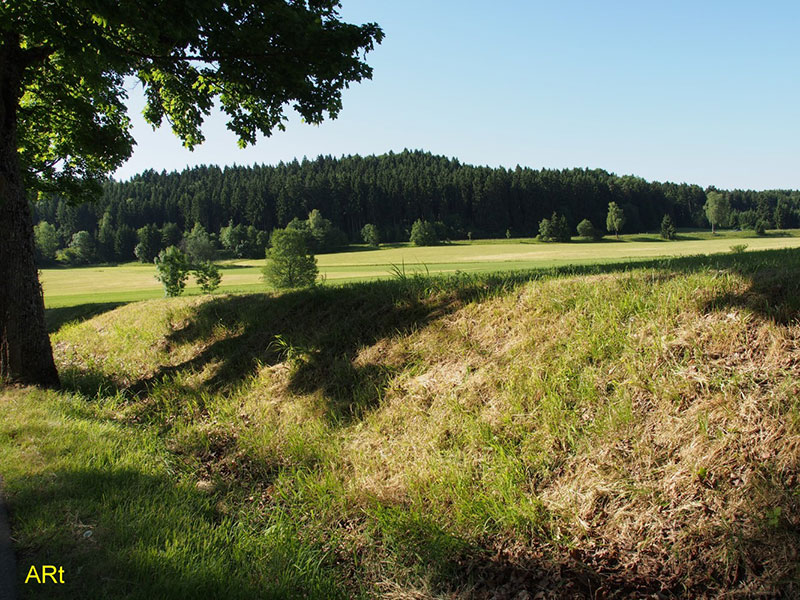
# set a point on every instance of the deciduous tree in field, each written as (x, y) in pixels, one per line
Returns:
(46, 241)
(172, 270)
(423, 233)
(370, 235)
(615, 218)
(717, 209)
(63, 121)
(587, 230)
(290, 262)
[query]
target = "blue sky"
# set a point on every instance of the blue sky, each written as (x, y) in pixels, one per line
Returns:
(702, 92)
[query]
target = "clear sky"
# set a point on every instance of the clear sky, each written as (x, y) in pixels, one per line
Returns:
(705, 92)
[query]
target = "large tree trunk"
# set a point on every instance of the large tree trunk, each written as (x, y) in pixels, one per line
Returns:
(25, 352)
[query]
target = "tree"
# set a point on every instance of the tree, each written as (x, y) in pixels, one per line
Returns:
(80, 250)
(668, 231)
(325, 236)
(370, 235)
(124, 243)
(290, 263)
(782, 214)
(46, 242)
(615, 218)
(207, 276)
(149, 243)
(172, 270)
(587, 230)
(234, 239)
(423, 233)
(545, 230)
(717, 209)
(198, 245)
(554, 229)
(105, 238)
(170, 235)
(63, 122)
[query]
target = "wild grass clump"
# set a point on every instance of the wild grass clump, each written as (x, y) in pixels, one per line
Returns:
(575, 432)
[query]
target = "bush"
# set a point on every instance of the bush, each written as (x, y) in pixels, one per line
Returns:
(423, 233)
(544, 230)
(587, 230)
(370, 235)
(207, 276)
(290, 263)
(172, 270)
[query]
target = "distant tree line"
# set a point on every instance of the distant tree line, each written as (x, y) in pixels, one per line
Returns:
(235, 209)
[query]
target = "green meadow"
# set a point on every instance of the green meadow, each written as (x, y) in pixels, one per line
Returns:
(134, 281)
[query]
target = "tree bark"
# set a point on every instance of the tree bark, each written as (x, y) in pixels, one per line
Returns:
(25, 352)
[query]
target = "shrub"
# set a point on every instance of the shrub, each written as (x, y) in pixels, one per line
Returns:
(370, 235)
(290, 263)
(544, 230)
(172, 270)
(207, 276)
(587, 230)
(423, 233)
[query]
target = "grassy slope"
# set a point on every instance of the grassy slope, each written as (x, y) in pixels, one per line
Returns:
(132, 282)
(634, 431)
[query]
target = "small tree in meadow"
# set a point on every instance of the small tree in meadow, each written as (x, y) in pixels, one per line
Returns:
(290, 263)
(717, 209)
(544, 230)
(207, 276)
(587, 230)
(615, 218)
(554, 229)
(370, 235)
(172, 270)
(668, 231)
(423, 233)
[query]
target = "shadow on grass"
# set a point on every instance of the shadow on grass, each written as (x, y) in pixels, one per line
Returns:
(121, 533)
(320, 332)
(55, 318)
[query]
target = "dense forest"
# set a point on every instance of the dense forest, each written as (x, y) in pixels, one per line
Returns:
(390, 191)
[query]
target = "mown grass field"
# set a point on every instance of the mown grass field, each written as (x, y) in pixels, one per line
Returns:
(583, 432)
(131, 282)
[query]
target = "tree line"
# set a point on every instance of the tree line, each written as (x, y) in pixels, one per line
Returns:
(238, 207)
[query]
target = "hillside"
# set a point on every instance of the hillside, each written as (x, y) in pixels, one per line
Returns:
(390, 191)
(584, 432)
